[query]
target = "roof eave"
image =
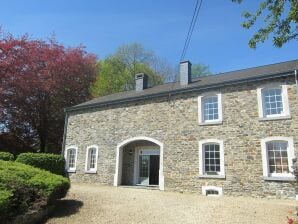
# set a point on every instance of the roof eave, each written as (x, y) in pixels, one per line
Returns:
(178, 91)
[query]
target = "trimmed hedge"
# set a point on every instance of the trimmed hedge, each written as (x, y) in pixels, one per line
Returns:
(24, 188)
(7, 156)
(51, 162)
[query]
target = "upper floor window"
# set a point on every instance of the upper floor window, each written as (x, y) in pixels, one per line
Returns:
(273, 101)
(277, 155)
(210, 108)
(91, 159)
(211, 157)
(71, 158)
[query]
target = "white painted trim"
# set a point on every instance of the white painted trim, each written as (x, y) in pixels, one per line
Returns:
(286, 105)
(285, 100)
(201, 157)
(290, 152)
(87, 169)
(260, 102)
(214, 188)
(206, 176)
(70, 170)
(119, 152)
(201, 112)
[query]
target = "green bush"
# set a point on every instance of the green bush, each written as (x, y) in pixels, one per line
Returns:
(51, 162)
(5, 197)
(7, 156)
(24, 188)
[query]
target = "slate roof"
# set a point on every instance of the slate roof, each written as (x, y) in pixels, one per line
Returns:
(222, 79)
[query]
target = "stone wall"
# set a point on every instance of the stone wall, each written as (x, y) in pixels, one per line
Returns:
(174, 122)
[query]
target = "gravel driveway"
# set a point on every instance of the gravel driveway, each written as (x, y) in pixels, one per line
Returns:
(90, 203)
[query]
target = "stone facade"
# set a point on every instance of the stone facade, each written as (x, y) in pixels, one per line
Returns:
(174, 122)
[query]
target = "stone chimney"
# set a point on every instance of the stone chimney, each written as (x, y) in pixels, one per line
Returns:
(185, 73)
(141, 81)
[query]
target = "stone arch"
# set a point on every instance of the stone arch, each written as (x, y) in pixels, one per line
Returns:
(118, 167)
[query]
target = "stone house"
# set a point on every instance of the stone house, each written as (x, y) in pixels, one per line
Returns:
(234, 133)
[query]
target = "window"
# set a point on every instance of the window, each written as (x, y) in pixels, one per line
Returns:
(277, 155)
(273, 101)
(91, 159)
(211, 191)
(211, 156)
(210, 109)
(71, 158)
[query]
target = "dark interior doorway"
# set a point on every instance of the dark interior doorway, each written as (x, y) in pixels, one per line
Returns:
(154, 170)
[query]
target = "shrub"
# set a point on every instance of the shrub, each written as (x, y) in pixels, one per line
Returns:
(24, 188)
(50, 162)
(7, 156)
(5, 197)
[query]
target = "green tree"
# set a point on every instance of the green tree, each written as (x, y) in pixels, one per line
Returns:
(117, 72)
(200, 70)
(280, 19)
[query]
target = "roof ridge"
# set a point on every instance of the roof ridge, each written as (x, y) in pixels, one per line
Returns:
(243, 74)
(260, 66)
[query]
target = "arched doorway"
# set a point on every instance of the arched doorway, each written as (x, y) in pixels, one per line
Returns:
(139, 161)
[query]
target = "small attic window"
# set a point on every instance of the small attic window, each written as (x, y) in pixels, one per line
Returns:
(139, 76)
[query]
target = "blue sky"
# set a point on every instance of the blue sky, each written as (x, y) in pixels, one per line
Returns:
(218, 39)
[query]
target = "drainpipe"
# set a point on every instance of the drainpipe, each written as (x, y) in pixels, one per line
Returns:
(296, 80)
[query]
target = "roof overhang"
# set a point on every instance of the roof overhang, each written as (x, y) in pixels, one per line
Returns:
(179, 91)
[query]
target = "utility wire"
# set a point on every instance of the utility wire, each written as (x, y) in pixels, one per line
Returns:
(186, 44)
(191, 28)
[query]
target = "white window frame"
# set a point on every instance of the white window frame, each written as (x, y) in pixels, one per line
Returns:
(212, 188)
(87, 162)
(201, 108)
(73, 169)
(202, 173)
(285, 101)
(265, 162)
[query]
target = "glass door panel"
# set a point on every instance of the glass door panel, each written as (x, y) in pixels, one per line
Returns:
(144, 169)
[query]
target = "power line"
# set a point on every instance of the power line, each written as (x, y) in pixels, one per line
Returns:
(191, 28)
(186, 44)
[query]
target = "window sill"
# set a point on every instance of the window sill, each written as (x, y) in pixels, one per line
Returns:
(279, 179)
(70, 171)
(275, 118)
(210, 123)
(212, 176)
(90, 172)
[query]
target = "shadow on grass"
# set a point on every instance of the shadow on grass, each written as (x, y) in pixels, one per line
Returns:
(65, 208)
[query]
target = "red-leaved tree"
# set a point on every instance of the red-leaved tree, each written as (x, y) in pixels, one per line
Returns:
(38, 79)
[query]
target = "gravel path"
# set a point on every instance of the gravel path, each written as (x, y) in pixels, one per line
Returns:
(90, 203)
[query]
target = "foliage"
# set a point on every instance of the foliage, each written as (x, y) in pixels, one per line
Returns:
(53, 163)
(6, 156)
(24, 188)
(13, 144)
(5, 197)
(200, 70)
(280, 19)
(38, 79)
(117, 72)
